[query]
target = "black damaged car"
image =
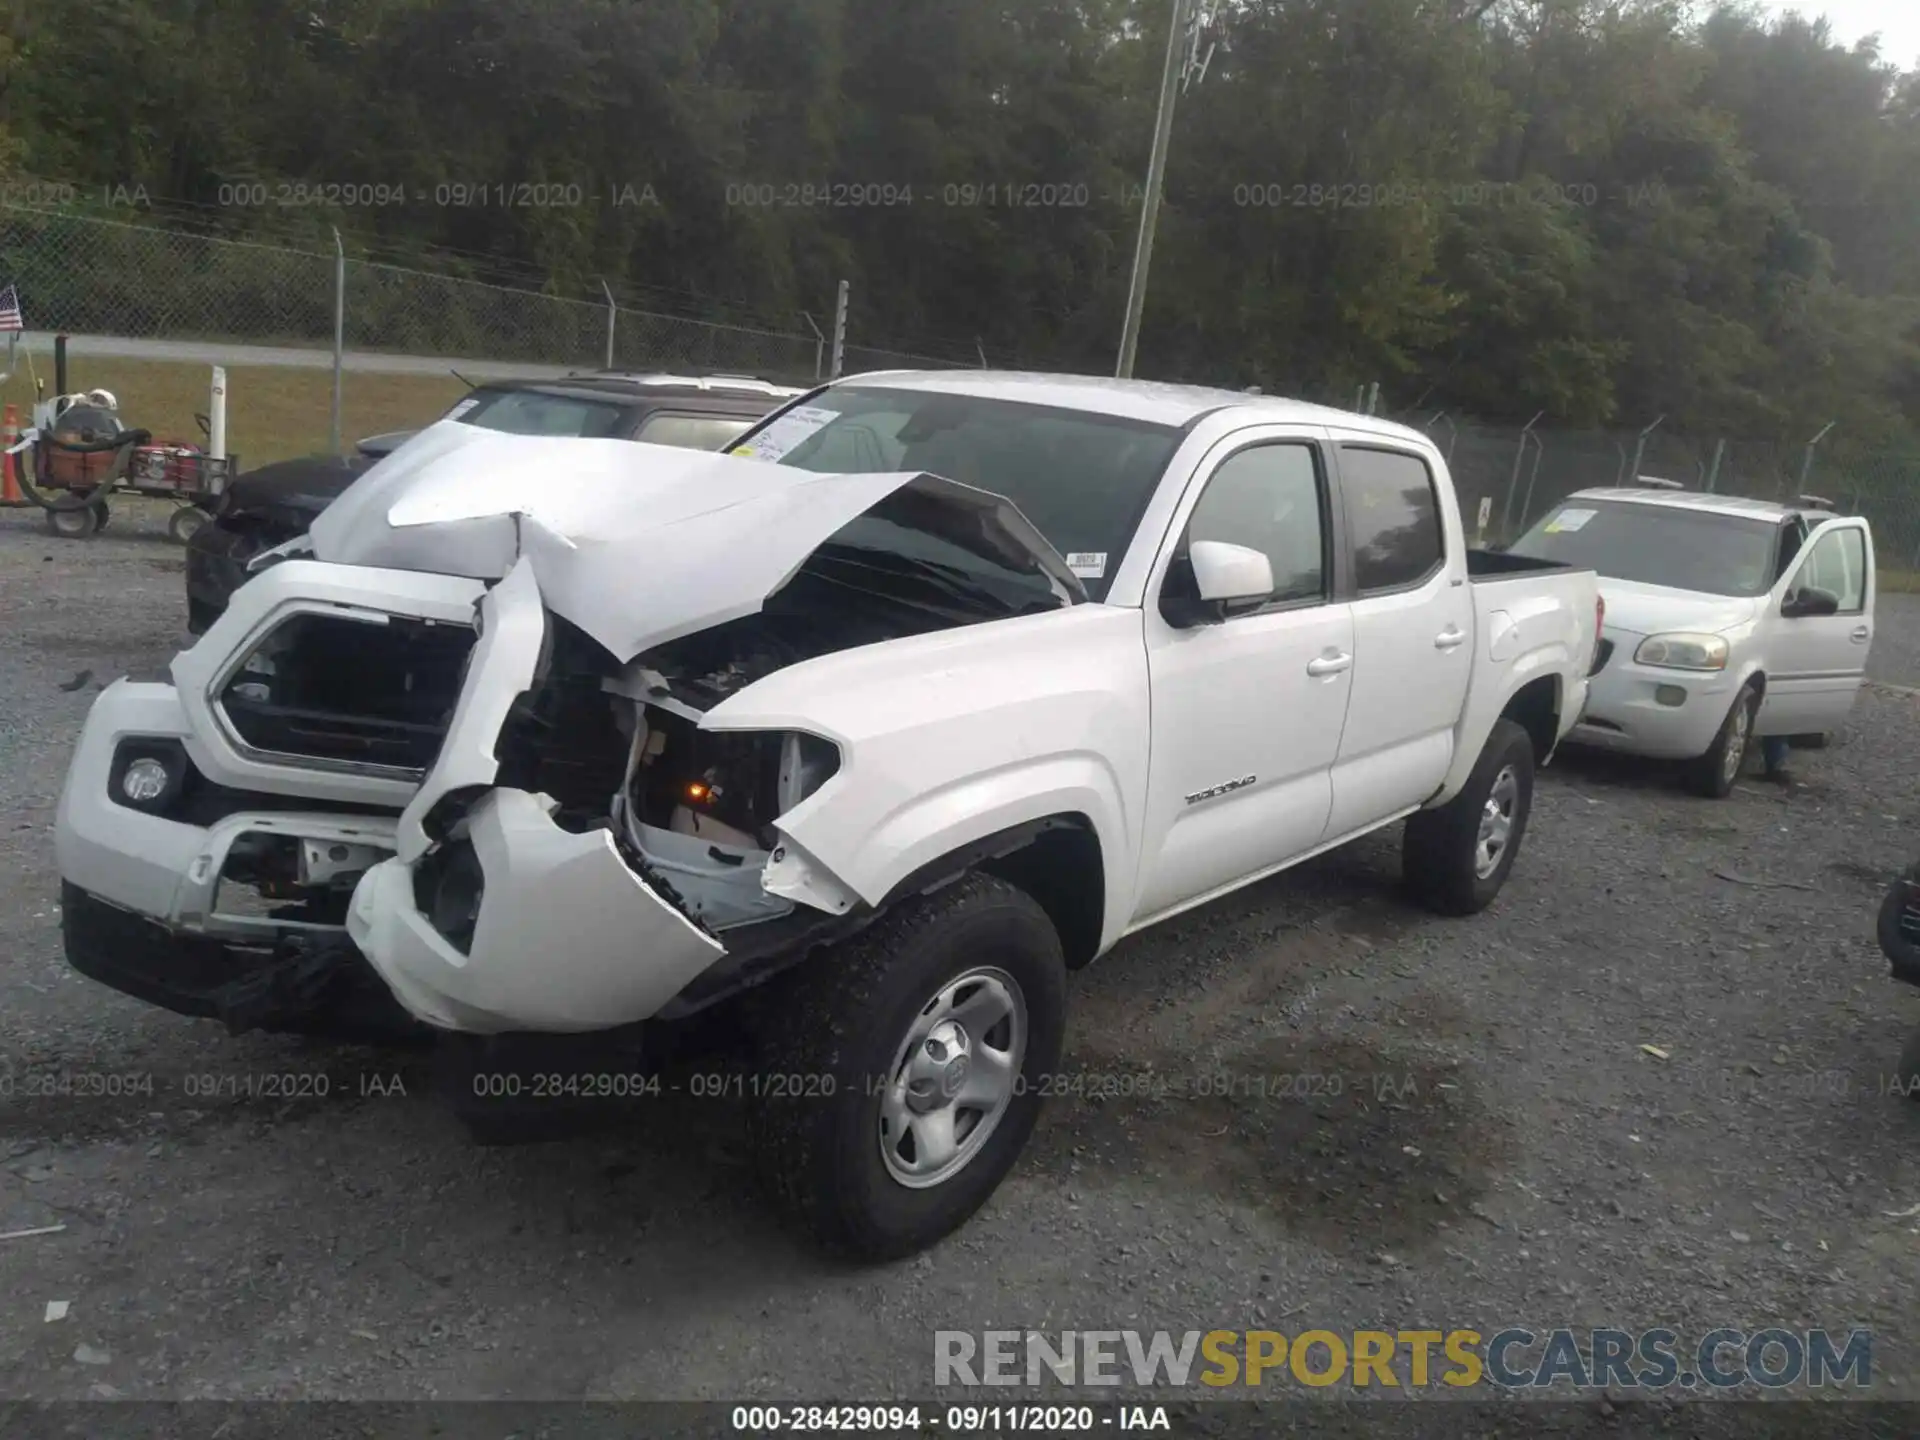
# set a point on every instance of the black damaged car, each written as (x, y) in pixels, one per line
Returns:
(275, 503)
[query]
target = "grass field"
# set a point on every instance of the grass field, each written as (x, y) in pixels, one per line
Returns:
(273, 412)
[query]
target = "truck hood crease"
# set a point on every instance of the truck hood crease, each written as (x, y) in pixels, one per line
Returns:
(640, 545)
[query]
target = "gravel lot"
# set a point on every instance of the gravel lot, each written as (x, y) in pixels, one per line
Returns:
(1500, 1150)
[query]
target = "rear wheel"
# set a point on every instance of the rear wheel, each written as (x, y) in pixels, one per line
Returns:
(1715, 773)
(1456, 858)
(901, 1075)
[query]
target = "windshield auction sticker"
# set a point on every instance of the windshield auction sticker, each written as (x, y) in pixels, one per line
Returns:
(1088, 564)
(1568, 521)
(786, 432)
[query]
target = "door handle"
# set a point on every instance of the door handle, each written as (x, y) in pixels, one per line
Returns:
(1862, 633)
(1329, 665)
(1451, 638)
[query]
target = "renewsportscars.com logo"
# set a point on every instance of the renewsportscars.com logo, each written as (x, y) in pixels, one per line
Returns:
(1514, 1358)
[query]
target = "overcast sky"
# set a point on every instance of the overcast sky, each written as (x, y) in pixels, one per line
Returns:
(1897, 21)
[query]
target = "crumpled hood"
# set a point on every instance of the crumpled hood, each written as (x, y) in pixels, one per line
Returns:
(636, 544)
(1640, 609)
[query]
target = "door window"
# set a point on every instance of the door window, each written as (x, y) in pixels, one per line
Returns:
(1268, 498)
(1393, 519)
(1838, 564)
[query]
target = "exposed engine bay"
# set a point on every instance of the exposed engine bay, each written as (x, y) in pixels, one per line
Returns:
(620, 746)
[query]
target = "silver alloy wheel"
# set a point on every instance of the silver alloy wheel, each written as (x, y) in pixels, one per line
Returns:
(1496, 823)
(953, 1077)
(1737, 741)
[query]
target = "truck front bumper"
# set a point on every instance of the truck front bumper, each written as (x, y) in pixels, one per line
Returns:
(143, 908)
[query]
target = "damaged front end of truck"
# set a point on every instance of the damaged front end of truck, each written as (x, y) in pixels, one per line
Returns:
(587, 852)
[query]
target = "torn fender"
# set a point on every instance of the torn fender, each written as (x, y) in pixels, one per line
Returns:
(566, 937)
(505, 662)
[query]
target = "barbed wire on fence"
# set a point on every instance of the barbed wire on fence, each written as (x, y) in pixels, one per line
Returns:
(91, 275)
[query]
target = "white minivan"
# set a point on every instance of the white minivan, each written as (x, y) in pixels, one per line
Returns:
(1727, 620)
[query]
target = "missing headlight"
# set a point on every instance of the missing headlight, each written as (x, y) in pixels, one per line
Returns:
(729, 786)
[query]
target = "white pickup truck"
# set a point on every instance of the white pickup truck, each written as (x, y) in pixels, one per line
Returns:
(866, 733)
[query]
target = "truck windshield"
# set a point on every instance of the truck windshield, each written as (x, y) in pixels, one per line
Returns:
(1082, 479)
(1667, 545)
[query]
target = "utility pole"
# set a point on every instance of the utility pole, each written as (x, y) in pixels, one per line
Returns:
(1184, 66)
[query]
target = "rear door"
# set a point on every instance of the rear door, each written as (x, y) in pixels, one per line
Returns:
(1816, 663)
(1413, 633)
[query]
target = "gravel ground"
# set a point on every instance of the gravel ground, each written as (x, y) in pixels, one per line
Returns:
(1489, 1145)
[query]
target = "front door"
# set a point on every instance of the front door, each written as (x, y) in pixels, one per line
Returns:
(1816, 663)
(1247, 711)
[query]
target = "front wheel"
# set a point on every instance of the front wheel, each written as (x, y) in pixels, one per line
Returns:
(1456, 858)
(1714, 773)
(902, 1075)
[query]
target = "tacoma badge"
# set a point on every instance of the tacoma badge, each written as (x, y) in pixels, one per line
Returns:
(1197, 796)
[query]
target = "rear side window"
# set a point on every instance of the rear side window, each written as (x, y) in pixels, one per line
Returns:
(528, 412)
(1393, 518)
(692, 432)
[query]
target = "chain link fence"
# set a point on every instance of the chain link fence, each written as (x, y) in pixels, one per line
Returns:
(85, 274)
(88, 275)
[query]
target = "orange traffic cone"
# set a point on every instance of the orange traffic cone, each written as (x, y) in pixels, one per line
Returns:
(10, 493)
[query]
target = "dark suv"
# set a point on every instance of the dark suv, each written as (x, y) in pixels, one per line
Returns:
(275, 503)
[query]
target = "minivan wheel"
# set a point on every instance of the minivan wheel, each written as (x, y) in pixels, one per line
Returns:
(901, 1076)
(1715, 773)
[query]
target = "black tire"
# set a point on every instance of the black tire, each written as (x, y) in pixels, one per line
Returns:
(100, 515)
(1902, 953)
(1715, 773)
(838, 1024)
(77, 524)
(1440, 851)
(184, 521)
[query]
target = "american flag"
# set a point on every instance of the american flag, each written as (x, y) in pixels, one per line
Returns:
(10, 310)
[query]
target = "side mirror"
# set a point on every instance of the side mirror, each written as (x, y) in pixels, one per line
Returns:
(1211, 581)
(1809, 601)
(1224, 573)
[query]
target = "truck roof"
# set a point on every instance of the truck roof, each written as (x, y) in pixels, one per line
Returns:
(1148, 400)
(1731, 505)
